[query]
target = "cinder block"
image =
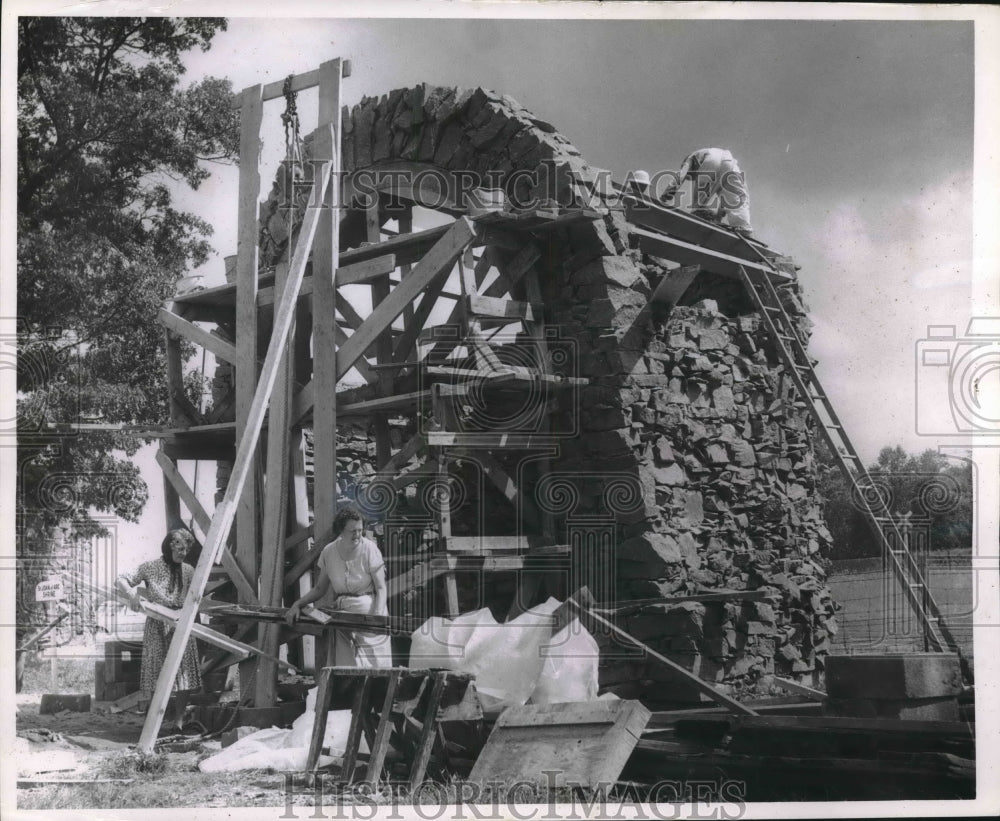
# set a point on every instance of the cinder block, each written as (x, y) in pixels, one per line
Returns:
(904, 676)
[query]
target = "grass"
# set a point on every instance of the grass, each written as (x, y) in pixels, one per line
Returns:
(130, 764)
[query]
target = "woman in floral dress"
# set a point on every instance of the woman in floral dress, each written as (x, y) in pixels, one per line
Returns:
(166, 583)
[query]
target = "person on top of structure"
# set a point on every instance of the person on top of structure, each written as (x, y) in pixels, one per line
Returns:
(719, 189)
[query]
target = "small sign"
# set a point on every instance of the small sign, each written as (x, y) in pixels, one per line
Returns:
(49, 590)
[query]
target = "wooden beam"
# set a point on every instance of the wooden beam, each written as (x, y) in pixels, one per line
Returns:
(275, 522)
(210, 636)
(686, 253)
(499, 308)
(226, 511)
(247, 259)
(589, 619)
(346, 275)
(222, 349)
(402, 401)
(175, 383)
(300, 82)
(173, 476)
(673, 285)
(326, 356)
(437, 263)
(362, 272)
(299, 541)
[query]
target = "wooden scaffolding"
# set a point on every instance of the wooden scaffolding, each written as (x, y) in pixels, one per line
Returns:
(445, 301)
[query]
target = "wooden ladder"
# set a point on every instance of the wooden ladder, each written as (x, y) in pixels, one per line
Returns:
(792, 352)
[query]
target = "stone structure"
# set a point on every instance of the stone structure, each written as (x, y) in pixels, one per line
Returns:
(687, 449)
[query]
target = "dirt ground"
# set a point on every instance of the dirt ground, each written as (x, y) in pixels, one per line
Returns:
(98, 747)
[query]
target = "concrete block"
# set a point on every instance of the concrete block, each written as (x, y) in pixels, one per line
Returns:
(904, 676)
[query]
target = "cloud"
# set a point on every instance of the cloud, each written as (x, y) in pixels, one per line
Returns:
(878, 276)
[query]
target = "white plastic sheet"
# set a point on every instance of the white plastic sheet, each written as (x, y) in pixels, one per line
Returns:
(512, 662)
(280, 749)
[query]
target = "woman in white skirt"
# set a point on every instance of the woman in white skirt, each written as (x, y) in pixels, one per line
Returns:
(353, 568)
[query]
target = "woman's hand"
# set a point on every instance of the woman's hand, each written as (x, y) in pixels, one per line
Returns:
(293, 613)
(135, 602)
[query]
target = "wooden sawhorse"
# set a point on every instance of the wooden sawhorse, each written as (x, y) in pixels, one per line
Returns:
(400, 711)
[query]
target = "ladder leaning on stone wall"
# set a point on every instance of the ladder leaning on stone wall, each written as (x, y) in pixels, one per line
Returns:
(792, 353)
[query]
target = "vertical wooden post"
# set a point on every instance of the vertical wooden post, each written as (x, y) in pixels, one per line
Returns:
(405, 227)
(272, 565)
(300, 515)
(383, 350)
(247, 533)
(175, 381)
(326, 252)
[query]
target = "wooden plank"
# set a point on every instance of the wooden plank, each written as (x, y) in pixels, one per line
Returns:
(401, 457)
(582, 743)
(402, 401)
(525, 441)
(420, 575)
(674, 283)
(589, 618)
(486, 545)
(359, 709)
(324, 692)
(628, 607)
(247, 263)
(425, 743)
(499, 308)
(208, 635)
(226, 511)
(366, 271)
(304, 533)
(220, 348)
(403, 350)
(799, 689)
(326, 260)
(406, 247)
(382, 735)
(300, 516)
(346, 275)
(685, 253)
(437, 263)
(204, 522)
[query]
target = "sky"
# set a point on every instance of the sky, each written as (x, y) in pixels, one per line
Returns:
(856, 138)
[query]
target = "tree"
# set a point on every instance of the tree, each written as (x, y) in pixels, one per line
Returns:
(929, 491)
(104, 130)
